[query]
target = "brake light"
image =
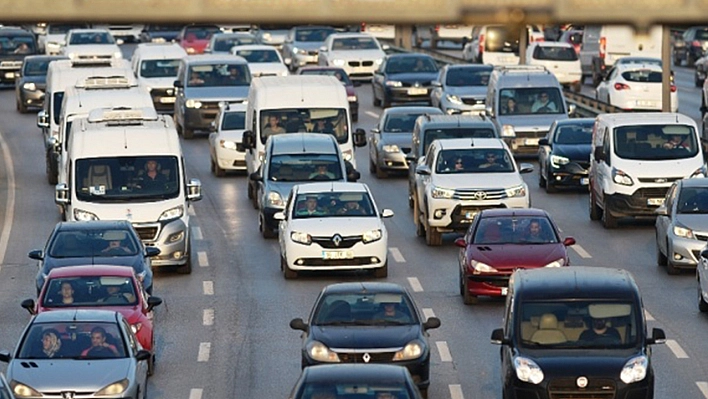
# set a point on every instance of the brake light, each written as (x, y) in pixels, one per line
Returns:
(696, 43)
(481, 43)
(673, 88)
(363, 26)
(437, 28)
(621, 86)
(603, 47)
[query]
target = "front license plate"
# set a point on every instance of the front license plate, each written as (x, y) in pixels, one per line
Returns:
(504, 290)
(584, 181)
(417, 91)
(167, 100)
(655, 201)
(530, 141)
(337, 254)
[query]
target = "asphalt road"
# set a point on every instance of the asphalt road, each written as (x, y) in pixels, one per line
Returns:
(223, 331)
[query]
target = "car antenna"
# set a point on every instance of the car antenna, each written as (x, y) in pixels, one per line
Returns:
(302, 140)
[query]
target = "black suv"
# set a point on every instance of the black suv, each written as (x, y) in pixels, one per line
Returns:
(15, 45)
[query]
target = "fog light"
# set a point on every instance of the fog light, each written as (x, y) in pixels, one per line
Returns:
(374, 259)
(299, 262)
(558, 178)
(439, 213)
(177, 254)
(389, 163)
(677, 256)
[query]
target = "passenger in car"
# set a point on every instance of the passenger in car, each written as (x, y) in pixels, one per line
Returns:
(543, 104)
(51, 345)
(99, 347)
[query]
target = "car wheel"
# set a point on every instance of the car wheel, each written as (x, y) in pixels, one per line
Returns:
(608, 221)
(218, 172)
(250, 190)
(372, 166)
(670, 267)
(381, 272)
(467, 298)
(377, 102)
(385, 102)
(419, 230)
(702, 304)
(380, 173)
(21, 108)
(288, 273)
(188, 134)
(660, 257)
(595, 210)
(265, 231)
(550, 188)
(689, 60)
(433, 238)
(186, 268)
(52, 172)
(698, 82)
(151, 363)
(677, 60)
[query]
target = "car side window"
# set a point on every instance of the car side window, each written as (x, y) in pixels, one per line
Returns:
(671, 197)
(606, 146)
(131, 337)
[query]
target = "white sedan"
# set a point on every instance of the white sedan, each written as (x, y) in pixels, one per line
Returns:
(90, 44)
(559, 58)
(635, 87)
(360, 54)
(263, 60)
(332, 226)
(225, 147)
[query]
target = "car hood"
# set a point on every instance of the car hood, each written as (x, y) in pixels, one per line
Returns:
(310, 46)
(160, 83)
(267, 68)
(39, 80)
(467, 91)
(506, 257)
(328, 226)
(233, 135)
(357, 54)
(363, 337)
(58, 375)
(399, 139)
(574, 152)
(576, 363)
(526, 123)
(225, 93)
(694, 221)
(413, 77)
(478, 180)
(282, 188)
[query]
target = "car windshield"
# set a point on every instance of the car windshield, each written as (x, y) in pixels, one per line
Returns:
(365, 308)
(655, 142)
(313, 34)
(215, 75)
(234, 121)
(575, 133)
(359, 390)
(93, 242)
(332, 121)
(73, 340)
(224, 44)
(94, 291)
(333, 204)
(693, 200)
(411, 65)
(62, 29)
(80, 38)
(305, 167)
(36, 67)
(200, 32)
(515, 230)
(159, 68)
(490, 160)
(355, 43)
(460, 77)
(337, 73)
(125, 179)
(526, 101)
(642, 76)
(457, 133)
(259, 56)
(20, 44)
(578, 324)
(400, 123)
(555, 53)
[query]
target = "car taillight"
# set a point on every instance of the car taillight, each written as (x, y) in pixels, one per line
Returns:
(363, 26)
(437, 28)
(621, 86)
(696, 43)
(603, 46)
(481, 44)
(673, 88)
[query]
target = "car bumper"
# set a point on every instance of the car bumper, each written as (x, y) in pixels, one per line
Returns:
(163, 99)
(636, 204)
(407, 94)
(392, 161)
(571, 174)
(172, 238)
(199, 119)
(452, 215)
(454, 108)
(566, 387)
(230, 159)
(685, 252)
(419, 368)
(488, 284)
(359, 256)
(7, 76)
(358, 72)
(304, 59)
(525, 142)
(567, 78)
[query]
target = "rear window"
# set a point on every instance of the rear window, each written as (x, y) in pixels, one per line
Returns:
(555, 53)
(642, 76)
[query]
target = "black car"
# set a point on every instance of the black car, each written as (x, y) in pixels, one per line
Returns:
(376, 322)
(575, 332)
(564, 154)
(691, 46)
(355, 381)
(404, 77)
(15, 45)
(95, 242)
(160, 33)
(32, 81)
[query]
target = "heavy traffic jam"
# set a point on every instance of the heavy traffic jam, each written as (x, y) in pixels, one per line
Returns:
(155, 140)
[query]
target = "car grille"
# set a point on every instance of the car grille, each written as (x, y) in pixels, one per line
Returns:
(652, 192)
(659, 180)
(475, 194)
(163, 92)
(10, 64)
(327, 242)
(701, 237)
(313, 52)
(473, 101)
(95, 57)
(532, 134)
(406, 150)
(315, 262)
(416, 84)
(147, 232)
(360, 63)
(209, 105)
(382, 357)
(567, 388)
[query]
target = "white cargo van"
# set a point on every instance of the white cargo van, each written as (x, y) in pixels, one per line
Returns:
(128, 165)
(61, 75)
(605, 44)
(293, 104)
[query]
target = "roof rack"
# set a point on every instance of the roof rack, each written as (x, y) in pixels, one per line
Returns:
(510, 69)
(106, 82)
(122, 116)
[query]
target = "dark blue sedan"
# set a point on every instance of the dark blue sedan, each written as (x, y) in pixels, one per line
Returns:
(404, 78)
(564, 154)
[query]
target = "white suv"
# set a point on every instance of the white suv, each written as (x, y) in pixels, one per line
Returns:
(458, 178)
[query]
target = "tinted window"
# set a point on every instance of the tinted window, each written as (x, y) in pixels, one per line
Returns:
(575, 38)
(645, 142)
(515, 230)
(17, 45)
(552, 53)
(94, 291)
(93, 243)
(355, 43)
(333, 204)
(313, 35)
(363, 308)
(225, 44)
(400, 123)
(702, 34)
(159, 68)
(213, 75)
(457, 133)
(234, 121)
(36, 67)
(474, 161)
(258, 56)
(64, 28)
(78, 38)
(693, 200)
(498, 39)
(457, 77)
(56, 105)
(642, 76)
(537, 100)
(318, 120)
(305, 167)
(574, 134)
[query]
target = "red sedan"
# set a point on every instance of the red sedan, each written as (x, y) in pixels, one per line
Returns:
(107, 287)
(500, 241)
(194, 38)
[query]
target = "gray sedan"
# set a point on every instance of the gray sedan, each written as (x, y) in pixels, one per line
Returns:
(682, 225)
(70, 352)
(461, 88)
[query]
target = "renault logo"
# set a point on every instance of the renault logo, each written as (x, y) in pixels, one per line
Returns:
(337, 239)
(67, 395)
(366, 357)
(479, 195)
(660, 180)
(582, 382)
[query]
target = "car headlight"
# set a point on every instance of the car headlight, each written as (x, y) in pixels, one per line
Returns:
(190, 50)
(700, 172)
(22, 390)
(136, 327)
(480, 267)
(29, 86)
(347, 155)
(274, 199)
(556, 263)
(453, 98)
(82, 215)
(193, 104)
(620, 177)
(391, 148)
(338, 62)
(684, 232)
(527, 370)
(516, 191)
(118, 55)
(71, 56)
(393, 83)
(321, 353)
(371, 236)
(299, 51)
(352, 99)
(378, 61)
(634, 370)
(439, 192)
(508, 131)
(229, 145)
(301, 237)
(412, 350)
(172, 213)
(557, 161)
(114, 389)
(266, 36)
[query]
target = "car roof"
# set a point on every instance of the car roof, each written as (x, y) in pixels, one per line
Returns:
(574, 282)
(160, 50)
(695, 182)
(364, 286)
(498, 212)
(445, 120)
(353, 373)
(91, 270)
(464, 143)
(470, 66)
(200, 59)
(315, 143)
(413, 109)
(93, 225)
(89, 30)
(217, 36)
(14, 31)
(646, 118)
(67, 315)
(310, 188)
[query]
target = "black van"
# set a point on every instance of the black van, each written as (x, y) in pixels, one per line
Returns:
(575, 332)
(15, 45)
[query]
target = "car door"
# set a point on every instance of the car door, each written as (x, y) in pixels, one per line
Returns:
(604, 168)
(141, 367)
(423, 181)
(663, 222)
(283, 226)
(602, 90)
(179, 94)
(544, 151)
(377, 82)
(374, 139)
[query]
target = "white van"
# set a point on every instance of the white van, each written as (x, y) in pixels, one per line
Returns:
(155, 65)
(128, 165)
(61, 75)
(636, 157)
(605, 44)
(292, 104)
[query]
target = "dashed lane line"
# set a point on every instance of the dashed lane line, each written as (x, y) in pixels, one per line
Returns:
(456, 391)
(397, 255)
(415, 284)
(428, 313)
(676, 349)
(444, 351)
(581, 251)
(197, 233)
(203, 259)
(10, 204)
(648, 316)
(208, 317)
(204, 349)
(208, 287)
(703, 387)
(195, 393)
(372, 114)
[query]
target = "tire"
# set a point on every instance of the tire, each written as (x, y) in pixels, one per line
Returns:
(151, 364)
(188, 134)
(265, 231)
(419, 229)
(595, 210)
(550, 188)
(661, 259)
(52, 172)
(608, 221)
(410, 201)
(467, 298)
(381, 174)
(372, 166)
(385, 103)
(541, 178)
(218, 172)
(423, 392)
(288, 273)
(381, 272)
(433, 238)
(186, 268)
(377, 102)
(250, 190)
(702, 304)
(671, 269)
(21, 108)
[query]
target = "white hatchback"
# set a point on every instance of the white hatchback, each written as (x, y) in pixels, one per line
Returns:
(559, 58)
(263, 60)
(225, 148)
(90, 44)
(635, 87)
(332, 226)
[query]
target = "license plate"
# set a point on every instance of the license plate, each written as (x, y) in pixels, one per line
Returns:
(643, 103)
(416, 91)
(337, 254)
(584, 181)
(167, 100)
(10, 75)
(504, 290)
(530, 141)
(655, 201)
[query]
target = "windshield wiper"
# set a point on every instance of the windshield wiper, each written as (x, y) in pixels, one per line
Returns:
(383, 322)
(338, 323)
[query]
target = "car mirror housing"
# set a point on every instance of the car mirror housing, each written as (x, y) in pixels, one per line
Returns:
(423, 170)
(525, 168)
(498, 337)
(543, 141)
(247, 139)
(568, 241)
(279, 216)
(662, 211)
(298, 324)
(142, 355)
(152, 251)
(460, 242)
(255, 176)
(153, 301)
(178, 83)
(657, 336)
(36, 254)
(29, 305)
(599, 154)
(431, 323)
(386, 213)
(5, 356)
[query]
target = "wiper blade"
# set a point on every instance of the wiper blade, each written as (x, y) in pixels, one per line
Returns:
(339, 323)
(384, 322)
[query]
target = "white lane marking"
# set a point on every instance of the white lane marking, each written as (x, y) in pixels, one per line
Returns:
(203, 259)
(444, 351)
(10, 206)
(190, 211)
(397, 255)
(195, 393)
(428, 313)
(197, 233)
(208, 287)
(208, 317)
(372, 114)
(456, 391)
(581, 251)
(648, 316)
(703, 387)
(676, 349)
(204, 349)
(415, 284)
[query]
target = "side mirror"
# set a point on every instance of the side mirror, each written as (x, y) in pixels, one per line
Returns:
(36, 254)
(323, 49)
(431, 323)
(386, 213)
(29, 305)
(207, 51)
(435, 83)
(212, 126)
(525, 168)
(247, 139)
(460, 242)
(662, 211)
(353, 176)
(153, 302)
(359, 137)
(61, 194)
(178, 83)
(279, 216)
(152, 251)
(571, 109)
(498, 337)
(255, 176)
(142, 355)
(298, 324)
(568, 241)
(599, 154)
(42, 119)
(489, 111)
(194, 190)
(375, 130)
(410, 157)
(657, 337)
(543, 141)
(422, 170)
(704, 254)
(5, 356)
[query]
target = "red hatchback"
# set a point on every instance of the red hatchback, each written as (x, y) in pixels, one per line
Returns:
(106, 287)
(194, 38)
(500, 241)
